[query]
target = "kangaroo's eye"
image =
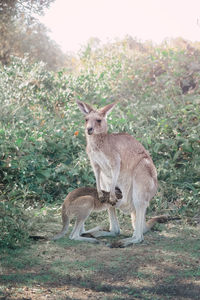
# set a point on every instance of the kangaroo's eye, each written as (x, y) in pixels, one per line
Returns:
(99, 121)
(86, 120)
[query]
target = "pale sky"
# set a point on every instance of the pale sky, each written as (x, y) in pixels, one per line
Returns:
(73, 22)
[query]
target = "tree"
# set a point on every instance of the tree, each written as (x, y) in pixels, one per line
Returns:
(16, 22)
(10, 8)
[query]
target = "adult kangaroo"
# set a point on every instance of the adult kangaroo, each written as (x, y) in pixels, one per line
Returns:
(119, 160)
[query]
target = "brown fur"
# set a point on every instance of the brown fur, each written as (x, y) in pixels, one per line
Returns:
(119, 160)
(80, 203)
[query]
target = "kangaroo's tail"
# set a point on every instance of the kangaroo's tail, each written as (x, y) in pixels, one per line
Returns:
(65, 220)
(158, 219)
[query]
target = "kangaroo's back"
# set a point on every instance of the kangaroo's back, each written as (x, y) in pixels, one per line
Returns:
(126, 145)
(80, 192)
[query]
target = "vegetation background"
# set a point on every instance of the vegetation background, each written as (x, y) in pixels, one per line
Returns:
(42, 143)
(42, 158)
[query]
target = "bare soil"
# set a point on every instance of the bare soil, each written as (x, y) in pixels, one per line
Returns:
(165, 266)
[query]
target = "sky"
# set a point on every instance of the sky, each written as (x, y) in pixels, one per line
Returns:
(73, 22)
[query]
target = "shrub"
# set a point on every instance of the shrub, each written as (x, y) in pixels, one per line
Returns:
(42, 141)
(13, 223)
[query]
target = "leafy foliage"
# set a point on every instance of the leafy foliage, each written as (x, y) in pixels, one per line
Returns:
(13, 224)
(27, 7)
(21, 34)
(42, 143)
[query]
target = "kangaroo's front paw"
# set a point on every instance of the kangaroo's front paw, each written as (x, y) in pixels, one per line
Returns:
(112, 200)
(101, 197)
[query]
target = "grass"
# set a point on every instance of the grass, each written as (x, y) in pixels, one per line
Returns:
(164, 266)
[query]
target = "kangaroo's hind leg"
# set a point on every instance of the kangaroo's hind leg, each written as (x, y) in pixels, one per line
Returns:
(64, 230)
(144, 188)
(65, 222)
(82, 210)
(139, 226)
(114, 226)
(77, 231)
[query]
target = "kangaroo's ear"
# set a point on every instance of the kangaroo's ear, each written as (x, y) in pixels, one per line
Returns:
(84, 107)
(107, 109)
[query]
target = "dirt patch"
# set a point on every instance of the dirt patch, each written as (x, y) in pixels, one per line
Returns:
(164, 266)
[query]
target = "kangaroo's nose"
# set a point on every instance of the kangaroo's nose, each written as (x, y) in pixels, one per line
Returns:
(90, 130)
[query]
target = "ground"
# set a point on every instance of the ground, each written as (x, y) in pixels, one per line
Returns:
(165, 266)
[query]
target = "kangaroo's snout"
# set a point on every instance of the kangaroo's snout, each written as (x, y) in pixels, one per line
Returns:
(90, 130)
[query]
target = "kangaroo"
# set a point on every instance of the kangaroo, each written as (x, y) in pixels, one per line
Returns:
(80, 203)
(119, 160)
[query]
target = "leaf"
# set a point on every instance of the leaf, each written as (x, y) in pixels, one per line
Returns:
(19, 142)
(149, 141)
(187, 147)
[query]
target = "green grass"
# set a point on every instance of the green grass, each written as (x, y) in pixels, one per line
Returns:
(158, 268)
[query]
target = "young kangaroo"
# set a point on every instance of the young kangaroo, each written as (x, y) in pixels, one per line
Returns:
(119, 160)
(80, 203)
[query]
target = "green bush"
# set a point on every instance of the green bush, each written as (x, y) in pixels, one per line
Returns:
(13, 223)
(42, 142)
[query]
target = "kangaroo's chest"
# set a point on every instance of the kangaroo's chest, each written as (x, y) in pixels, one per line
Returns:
(99, 158)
